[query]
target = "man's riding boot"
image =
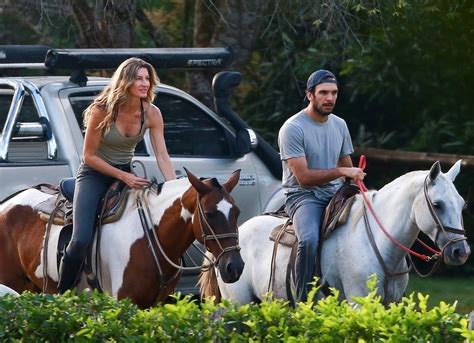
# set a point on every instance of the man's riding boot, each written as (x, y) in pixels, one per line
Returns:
(69, 272)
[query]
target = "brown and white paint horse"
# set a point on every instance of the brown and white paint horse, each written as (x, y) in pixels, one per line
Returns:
(184, 210)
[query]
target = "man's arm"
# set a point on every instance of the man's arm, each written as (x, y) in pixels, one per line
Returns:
(317, 177)
(345, 161)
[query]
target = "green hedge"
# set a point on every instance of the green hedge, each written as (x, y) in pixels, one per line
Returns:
(97, 317)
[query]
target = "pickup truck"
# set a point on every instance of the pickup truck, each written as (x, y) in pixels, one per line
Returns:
(41, 133)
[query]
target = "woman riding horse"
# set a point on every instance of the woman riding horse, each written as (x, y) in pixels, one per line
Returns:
(116, 122)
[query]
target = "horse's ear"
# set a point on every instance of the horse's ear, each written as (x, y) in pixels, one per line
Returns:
(454, 171)
(200, 186)
(232, 181)
(435, 170)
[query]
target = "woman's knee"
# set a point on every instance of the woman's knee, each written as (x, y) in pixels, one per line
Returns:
(77, 248)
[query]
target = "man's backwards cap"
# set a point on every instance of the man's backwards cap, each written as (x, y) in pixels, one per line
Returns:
(318, 77)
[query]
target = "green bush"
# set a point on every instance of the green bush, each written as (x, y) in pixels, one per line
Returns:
(97, 317)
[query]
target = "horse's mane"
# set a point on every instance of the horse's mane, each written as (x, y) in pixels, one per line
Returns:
(153, 190)
(410, 179)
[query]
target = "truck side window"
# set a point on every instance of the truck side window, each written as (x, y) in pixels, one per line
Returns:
(80, 101)
(189, 131)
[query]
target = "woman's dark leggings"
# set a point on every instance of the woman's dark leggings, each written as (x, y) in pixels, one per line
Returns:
(91, 186)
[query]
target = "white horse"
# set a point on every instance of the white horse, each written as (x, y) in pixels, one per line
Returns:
(347, 258)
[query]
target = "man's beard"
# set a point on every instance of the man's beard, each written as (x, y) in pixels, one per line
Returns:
(319, 109)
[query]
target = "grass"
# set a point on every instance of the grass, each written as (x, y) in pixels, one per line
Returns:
(447, 289)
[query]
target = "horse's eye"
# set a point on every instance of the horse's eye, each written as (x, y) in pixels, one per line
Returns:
(437, 205)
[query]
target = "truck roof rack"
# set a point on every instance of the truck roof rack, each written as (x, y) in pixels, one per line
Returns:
(23, 56)
(80, 60)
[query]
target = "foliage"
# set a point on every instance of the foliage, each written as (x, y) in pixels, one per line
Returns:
(419, 76)
(403, 68)
(98, 317)
(403, 65)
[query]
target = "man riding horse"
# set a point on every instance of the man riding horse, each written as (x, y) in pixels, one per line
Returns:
(315, 147)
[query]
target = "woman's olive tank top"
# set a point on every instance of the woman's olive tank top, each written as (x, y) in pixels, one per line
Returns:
(116, 148)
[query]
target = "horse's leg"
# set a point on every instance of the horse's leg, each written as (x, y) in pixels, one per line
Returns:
(397, 284)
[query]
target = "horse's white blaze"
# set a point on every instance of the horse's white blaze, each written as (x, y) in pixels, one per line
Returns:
(29, 197)
(224, 206)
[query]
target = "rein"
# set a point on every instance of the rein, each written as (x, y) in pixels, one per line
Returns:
(214, 236)
(367, 205)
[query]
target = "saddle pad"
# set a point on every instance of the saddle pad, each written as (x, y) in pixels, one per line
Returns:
(57, 204)
(284, 234)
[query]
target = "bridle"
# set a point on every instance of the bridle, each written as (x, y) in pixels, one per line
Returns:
(213, 236)
(440, 226)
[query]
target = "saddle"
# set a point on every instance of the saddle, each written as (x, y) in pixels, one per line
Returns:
(60, 207)
(335, 215)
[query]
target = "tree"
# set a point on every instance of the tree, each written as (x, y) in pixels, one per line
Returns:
(224, 23)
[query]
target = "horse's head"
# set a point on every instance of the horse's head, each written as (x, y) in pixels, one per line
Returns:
(438, 214)
(215, 223)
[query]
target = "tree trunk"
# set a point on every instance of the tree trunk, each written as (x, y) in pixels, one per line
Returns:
(224, 23)
(109, 24)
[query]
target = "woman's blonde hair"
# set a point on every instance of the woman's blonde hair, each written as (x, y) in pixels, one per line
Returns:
(116, 93)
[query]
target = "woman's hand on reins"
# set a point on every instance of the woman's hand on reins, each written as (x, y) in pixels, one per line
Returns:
(135, 182)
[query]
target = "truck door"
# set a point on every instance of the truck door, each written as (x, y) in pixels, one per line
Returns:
(198, 140)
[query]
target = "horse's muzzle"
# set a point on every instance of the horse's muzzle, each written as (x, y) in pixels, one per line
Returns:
(456, 253)
(231, 266)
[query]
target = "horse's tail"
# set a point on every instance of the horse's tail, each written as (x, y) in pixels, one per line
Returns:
(208, 280)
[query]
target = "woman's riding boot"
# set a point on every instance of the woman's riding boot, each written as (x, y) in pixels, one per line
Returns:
(69, 272)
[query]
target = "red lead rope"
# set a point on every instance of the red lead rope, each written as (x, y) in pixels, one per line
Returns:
(360, 183)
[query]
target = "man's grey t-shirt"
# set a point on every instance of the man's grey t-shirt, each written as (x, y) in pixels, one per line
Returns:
(323, 144)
